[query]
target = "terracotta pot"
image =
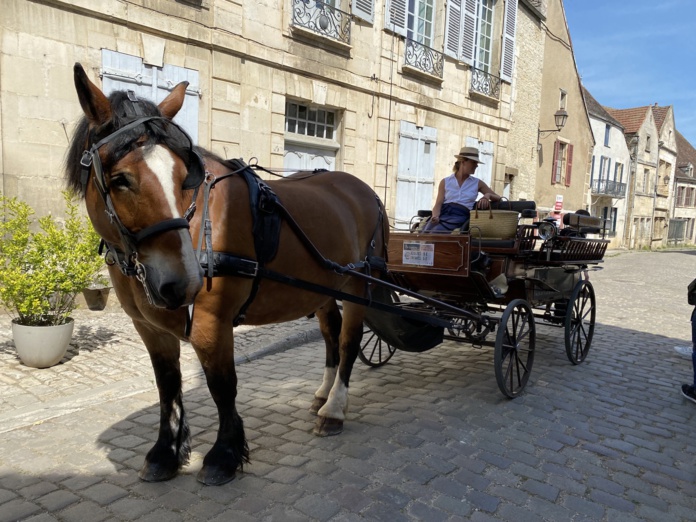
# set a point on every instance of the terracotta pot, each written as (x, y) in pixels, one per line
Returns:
(96, 297)
(42, 346)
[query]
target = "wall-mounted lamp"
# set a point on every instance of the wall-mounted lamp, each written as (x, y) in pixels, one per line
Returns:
(560, 119)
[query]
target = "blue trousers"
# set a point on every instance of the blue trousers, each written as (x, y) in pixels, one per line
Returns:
(452, 216)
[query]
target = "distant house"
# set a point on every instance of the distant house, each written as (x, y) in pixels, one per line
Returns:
(681, 226)
(651, 139)
(609, 171)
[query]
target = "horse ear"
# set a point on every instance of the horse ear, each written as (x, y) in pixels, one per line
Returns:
(171, 105)
(95, 105)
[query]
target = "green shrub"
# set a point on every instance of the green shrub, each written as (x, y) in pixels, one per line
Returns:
(42, 271)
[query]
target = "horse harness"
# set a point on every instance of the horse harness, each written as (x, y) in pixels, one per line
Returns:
(267, 215)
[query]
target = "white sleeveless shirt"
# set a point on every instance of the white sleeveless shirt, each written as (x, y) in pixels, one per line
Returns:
(465, 195)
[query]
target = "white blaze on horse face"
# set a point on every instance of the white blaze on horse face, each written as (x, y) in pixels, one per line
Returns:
(160, 161)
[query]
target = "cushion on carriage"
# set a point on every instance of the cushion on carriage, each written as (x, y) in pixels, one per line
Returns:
(585, 223)
(518, 206)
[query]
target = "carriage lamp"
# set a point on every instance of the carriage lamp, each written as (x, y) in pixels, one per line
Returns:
(560, 118)
(547, 229)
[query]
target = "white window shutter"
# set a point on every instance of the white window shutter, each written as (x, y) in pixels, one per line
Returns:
(509, 27)
(468, 31)
(364, 9)
(396, 16)
(453, 28)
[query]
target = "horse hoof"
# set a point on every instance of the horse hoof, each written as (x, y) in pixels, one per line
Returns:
(151, 472)
(214, 476)
(316, 405)
(326, 427)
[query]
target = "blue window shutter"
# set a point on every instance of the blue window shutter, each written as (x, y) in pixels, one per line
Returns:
(364, 9)
(396, 16)
(507, 59)
(468, 31)
(453, 28)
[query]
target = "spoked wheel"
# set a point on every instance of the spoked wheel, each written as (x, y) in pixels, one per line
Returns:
(373, 350)
(465, 328)
(514, 348)
(580, 321)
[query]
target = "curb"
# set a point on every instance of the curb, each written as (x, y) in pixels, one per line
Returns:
(292, 341)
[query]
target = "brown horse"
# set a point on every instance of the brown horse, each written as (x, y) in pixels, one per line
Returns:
(163, 207)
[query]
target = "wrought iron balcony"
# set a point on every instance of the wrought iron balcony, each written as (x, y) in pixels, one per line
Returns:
(322, 18)
(424, 58)
(607, 187)
(485, 83)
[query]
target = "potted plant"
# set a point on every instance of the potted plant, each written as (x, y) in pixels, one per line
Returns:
(44, 264)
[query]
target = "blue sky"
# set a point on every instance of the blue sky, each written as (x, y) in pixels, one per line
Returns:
(632, 53)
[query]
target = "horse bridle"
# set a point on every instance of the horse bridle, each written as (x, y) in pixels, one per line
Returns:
(128, 261)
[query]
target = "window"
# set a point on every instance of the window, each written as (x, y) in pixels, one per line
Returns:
(563, 100)
(647, 144)
(420, 21)
(309, 121)
(412, 19)
(604, 168)
(681, 196)
(607, 128)
(469, 34)
(646, 180)
(310, 137)
(483, 40)
(562, 163)
(125, 72)
(618, 172)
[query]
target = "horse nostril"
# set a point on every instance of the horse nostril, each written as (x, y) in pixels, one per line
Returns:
(173, 293)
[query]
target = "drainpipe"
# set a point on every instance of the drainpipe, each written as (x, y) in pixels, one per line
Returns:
(631, 187)
(657, 176)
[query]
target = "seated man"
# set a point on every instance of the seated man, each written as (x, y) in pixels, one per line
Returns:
(457, 193)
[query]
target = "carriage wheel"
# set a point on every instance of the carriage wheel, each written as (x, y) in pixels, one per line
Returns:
(514, 348)
(580, 321)
(465, 328)
(373, 350)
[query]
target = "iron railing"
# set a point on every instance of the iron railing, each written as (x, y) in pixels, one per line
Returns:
(322, 18)
(607, 187)
(424, 58)
(485, 83)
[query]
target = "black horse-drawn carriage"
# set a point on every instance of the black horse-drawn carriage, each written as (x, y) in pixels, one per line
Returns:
(489, 291)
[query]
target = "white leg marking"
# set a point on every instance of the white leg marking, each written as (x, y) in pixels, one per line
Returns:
(327, 383)
(337, 403)
(174, 419)
(160, 161)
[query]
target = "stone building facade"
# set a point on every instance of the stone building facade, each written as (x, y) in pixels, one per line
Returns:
(365, 87)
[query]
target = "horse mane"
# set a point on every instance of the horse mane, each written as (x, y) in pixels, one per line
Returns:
(121, 114)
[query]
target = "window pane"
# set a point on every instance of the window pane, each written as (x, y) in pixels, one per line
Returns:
(330, 118)
(312, 115)
(329, 133)
(320, 131)
(301, 127)
(321, 116)
(311, 129)
(292, 110)
(302, 112)
(291, 126)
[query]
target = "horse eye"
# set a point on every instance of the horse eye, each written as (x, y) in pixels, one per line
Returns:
(119, 180)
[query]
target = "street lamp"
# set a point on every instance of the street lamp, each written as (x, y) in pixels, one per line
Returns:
(560, 119)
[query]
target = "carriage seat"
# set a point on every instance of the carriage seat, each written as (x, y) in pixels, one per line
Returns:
(526, 208)
(583, 223)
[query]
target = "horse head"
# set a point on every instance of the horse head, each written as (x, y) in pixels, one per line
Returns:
(139, 172)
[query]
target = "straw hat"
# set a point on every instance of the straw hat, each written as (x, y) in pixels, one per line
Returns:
(471, 153)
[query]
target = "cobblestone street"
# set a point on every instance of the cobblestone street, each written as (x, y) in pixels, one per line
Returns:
(428, 436)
